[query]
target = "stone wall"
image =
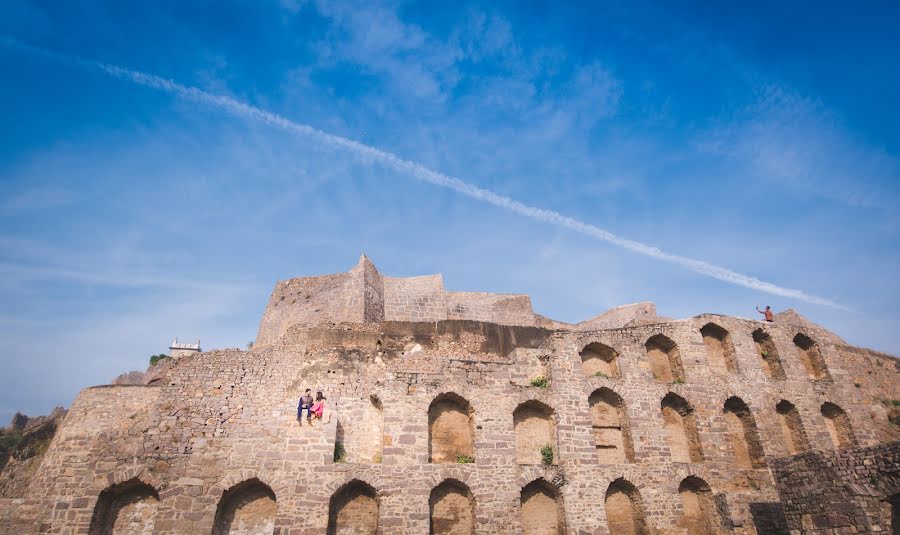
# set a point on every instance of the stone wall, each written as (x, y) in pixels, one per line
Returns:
(845, 491)
(363, 295)
(217, 420)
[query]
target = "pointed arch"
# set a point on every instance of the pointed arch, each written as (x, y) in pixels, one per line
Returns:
(719, 347)
(535, 428)
(248, 507)
(665, 359)
(838, 424)
(452, 509)
(792, 427)
(811, 357)
(681, 429)
(612, 433)
(701, 517)
(124, 508)
(768, 354)
(744, 435)
(624, 509)
(542, 509)
(353, 509)
(600, 360)
(450, 428)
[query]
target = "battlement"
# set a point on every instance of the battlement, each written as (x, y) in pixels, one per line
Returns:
(363, 295)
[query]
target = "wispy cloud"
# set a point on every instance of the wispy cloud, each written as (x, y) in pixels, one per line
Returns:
(794, 142)
(372, 155)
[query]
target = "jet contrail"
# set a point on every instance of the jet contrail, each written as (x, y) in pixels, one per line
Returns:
(420, 172)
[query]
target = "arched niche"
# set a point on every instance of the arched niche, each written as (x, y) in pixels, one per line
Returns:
(700, 514)
(125, 508)
(811, 357)
(792, 427)
(535, 428)
(599, 360)
(624, 509)
(768, 354)
(719, 347)
(363, 440)
(542, 509)
(452, 509)
(353, 510)
(450, 429)
(681, 429)
(612, 434)
(248, 507)
(838, 424)
(665, 359)
(744, 435)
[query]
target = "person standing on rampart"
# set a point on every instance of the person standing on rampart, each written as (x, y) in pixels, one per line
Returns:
(770, 317)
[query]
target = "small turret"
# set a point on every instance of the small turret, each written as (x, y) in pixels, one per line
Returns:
(180, 349)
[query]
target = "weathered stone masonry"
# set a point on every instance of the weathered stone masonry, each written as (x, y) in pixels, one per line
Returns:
(654, 425)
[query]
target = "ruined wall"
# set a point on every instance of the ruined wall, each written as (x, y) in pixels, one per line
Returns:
(219, 419)
(845, 491)
(363, 295)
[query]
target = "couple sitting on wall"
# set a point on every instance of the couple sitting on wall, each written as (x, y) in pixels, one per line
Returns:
(313, 408)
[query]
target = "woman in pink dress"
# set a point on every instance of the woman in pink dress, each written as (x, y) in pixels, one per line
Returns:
(318, 408)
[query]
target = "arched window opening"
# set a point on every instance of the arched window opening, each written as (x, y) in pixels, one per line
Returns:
(681, 429)
(612, 435)
(128, 507)
(599, 360)
(665, 359)
(838, 424)
(452, 509)
(248, 507)
(353, 510)
(792, 427)
(811, 357)
(719, 347)
(700, 514)
(535, 430)
(624, 509)
(748, 451)
(768, 354)
(450, 429)
(542, 509)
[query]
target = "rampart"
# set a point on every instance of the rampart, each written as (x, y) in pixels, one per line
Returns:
(854, 490)
(451, 426)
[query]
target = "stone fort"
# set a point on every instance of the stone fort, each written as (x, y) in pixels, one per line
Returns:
(458, 413)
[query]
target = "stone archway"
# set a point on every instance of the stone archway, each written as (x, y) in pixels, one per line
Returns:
(450, 429)
(612, 434)
(599, 360)
(127, 508)
(247, 508)
(452, 509)
(624, 509)
(535, 429)
(681, 429)
(353, 510)
(665, 359)
(542, 509)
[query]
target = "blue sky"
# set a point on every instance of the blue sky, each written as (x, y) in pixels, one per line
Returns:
(761, 138)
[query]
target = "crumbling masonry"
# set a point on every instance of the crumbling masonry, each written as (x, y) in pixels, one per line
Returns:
(462, 413)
